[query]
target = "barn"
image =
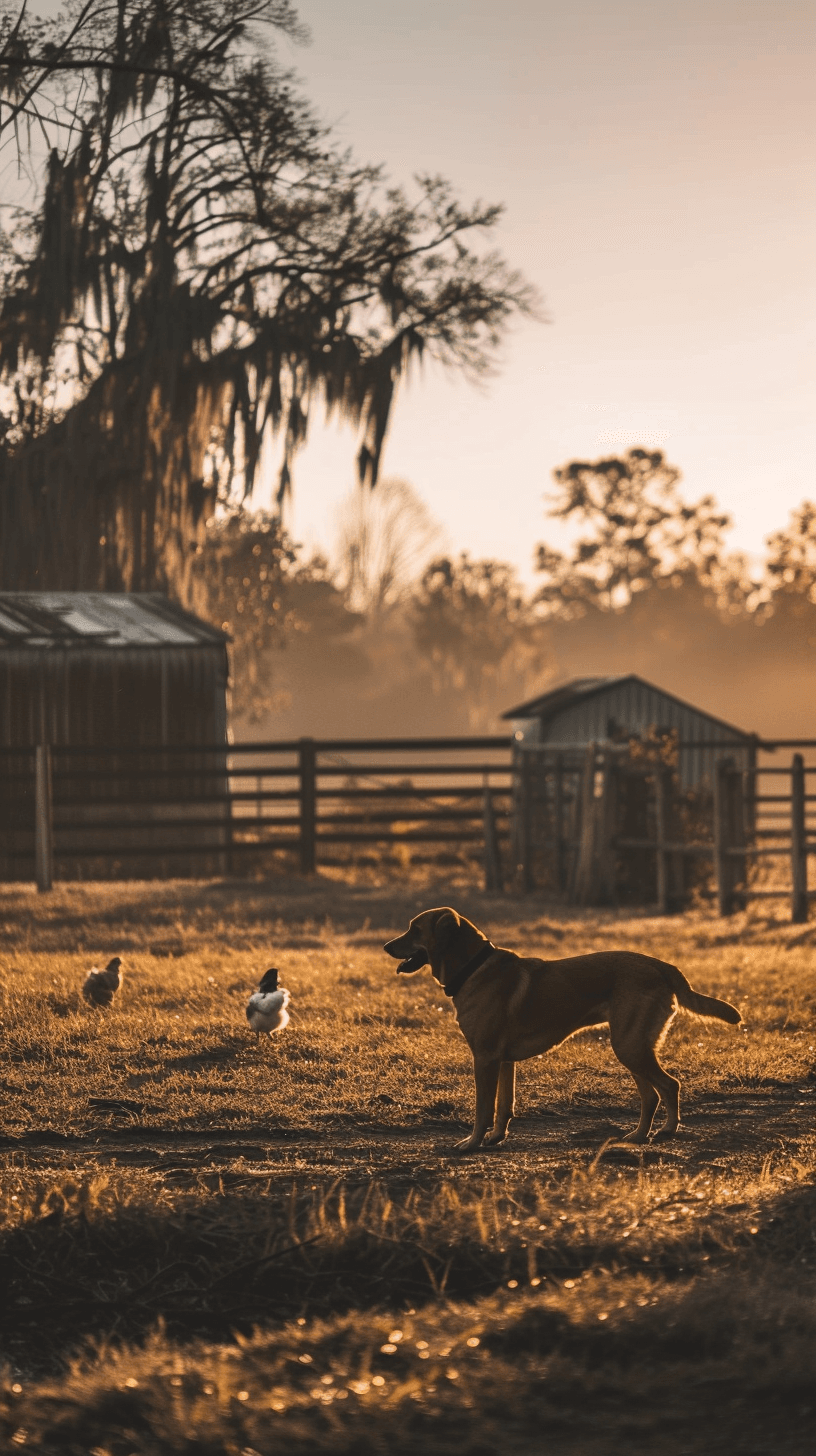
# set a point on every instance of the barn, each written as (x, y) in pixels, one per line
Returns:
(606, 710)
(142, 681)
(589, 814)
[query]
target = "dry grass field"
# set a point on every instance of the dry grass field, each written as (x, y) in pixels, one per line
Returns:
(211, 1245)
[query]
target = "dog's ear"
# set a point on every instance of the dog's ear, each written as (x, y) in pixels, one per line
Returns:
(445, 930)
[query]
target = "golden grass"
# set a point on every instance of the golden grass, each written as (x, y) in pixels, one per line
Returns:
(360, 1041)
(245, 1228)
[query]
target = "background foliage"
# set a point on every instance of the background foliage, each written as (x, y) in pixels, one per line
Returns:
(396, 642)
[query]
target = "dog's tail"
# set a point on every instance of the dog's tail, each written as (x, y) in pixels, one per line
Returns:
(695, 1001)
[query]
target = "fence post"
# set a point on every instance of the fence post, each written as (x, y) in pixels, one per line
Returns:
(595, 869)
(229, 857)
(607, 823)
(492, 859)
(799, 892)
(582, 886)
(749, 795)
(308, 805)
(525, 826)
(558, 821)
(43, 818)
(722, 861)
(662, 825)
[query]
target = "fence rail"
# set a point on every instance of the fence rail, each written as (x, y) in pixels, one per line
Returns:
(747, 827)
(225, 803)
(209, 808)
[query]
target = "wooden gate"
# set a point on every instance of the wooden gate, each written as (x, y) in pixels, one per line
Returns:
(609, 825)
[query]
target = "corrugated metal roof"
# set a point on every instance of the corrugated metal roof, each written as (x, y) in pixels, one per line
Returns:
(100, 619)
(580, 689)
(564, 696)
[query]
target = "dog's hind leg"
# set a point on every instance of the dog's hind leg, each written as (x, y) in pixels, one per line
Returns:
(669, 1089)
(487, 1081)
(635, 1032)
(505, 1104)
(649, 1101)
(654, 1085)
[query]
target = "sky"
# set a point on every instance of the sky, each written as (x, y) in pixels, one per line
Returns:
(657, 164)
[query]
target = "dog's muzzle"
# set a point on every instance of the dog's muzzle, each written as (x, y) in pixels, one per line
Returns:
(413, 962)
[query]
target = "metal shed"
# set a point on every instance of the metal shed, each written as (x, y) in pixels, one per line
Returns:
(135, 677)
(103, 668)
(607, 710)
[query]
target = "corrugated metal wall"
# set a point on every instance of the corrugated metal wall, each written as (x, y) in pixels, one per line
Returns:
(633, 708)
(111, 696)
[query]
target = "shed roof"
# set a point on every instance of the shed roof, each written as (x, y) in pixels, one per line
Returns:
(579, 689)
(100, 620)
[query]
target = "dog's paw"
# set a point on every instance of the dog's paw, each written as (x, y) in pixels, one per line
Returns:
(468, 1145)
(638, 1138)
(666, 1132)
(493, 1139)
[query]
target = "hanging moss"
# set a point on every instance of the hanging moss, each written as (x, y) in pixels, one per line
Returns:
(202, 269)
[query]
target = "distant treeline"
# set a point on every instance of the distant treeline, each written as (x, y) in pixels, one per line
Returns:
(377, 642)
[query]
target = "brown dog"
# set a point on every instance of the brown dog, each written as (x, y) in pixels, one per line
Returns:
(511, 1007)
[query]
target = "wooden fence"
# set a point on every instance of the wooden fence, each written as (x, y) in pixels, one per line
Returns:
(88, 812)
(562, 820)
(571, 822)
(742, 835)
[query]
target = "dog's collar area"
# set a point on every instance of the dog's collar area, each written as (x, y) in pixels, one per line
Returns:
(457, 981)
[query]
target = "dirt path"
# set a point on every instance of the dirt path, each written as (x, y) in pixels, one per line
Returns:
(719, 1129)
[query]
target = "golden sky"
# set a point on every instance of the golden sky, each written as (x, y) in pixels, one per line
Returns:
(657, 163)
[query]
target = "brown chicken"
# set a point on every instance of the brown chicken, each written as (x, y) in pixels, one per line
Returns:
(100, 986)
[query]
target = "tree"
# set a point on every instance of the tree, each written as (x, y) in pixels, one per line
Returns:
(252, 581)
(791, 563)
(384, 540)
(473, 626)
(202, 268)
(639, 531)
(240, 574)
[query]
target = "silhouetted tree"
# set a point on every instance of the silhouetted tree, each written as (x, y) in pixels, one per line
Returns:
(638, 530)
(791, 562)
(252, 581)
(473, 626)
(203, 265)
(384, 540)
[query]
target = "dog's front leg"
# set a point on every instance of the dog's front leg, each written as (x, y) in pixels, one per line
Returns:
(487, 1081)
(505, 1105)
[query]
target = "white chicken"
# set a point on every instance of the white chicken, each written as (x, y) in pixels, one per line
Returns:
(266, 1010)
(100, 986)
